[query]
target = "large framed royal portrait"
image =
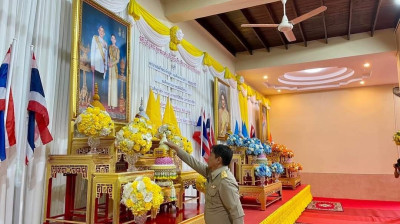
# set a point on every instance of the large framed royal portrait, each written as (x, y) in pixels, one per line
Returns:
(100, 60)
(222, 107)
(263, 123)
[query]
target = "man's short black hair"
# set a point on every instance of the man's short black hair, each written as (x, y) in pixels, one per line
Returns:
(224, 152)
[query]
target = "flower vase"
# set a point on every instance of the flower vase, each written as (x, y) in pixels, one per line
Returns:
(132, 159)
(93, 142)
(276, 177)
(140, 219)
(262, 179)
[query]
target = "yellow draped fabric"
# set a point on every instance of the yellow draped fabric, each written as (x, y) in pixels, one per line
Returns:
(169, 116)
(153, 110)
(228, 74)
(191, 48)
(244, 113)
(137, 11)
(289, 212)
(269, 137)
(210, 61)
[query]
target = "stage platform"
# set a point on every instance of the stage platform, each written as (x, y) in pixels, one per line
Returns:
(284, 211)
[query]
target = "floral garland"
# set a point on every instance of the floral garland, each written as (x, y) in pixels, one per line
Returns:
(142, 195)
(263, 171)
(94, 122)
(135, 137)
(201, 183)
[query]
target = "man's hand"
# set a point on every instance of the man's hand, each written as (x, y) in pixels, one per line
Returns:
(172, 145)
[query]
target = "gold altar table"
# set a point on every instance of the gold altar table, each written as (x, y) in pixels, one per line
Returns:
(261, 193)
(112, 185)
(292, 182)
(70, 166)
(187, 179)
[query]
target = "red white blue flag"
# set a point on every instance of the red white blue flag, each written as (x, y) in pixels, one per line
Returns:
(200, 136)
(38, 116)
(7, 128)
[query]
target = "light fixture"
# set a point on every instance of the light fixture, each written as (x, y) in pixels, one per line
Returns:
(313, 70)
(265, 77)
(397, 2)
(279, 90)
(362, 82)
(366, 65)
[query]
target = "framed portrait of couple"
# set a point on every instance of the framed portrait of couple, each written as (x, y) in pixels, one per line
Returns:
(100, 60)
(222, 110)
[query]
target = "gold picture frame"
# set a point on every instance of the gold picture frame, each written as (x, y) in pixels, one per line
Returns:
(222, 106)
(263, 123)
(100, 53)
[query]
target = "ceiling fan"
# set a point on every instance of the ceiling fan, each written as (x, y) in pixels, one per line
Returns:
(286, 26)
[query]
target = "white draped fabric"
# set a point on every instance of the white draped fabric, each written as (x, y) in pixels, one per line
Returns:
(149, 33)
(43, 24)
(190, 59)
(115, 6)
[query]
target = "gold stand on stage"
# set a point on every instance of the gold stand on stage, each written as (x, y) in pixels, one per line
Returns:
(243, 167)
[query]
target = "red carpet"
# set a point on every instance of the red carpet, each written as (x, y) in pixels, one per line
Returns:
(354, 212)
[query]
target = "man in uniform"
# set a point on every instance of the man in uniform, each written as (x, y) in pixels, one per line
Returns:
(99, 61)
(222, 191)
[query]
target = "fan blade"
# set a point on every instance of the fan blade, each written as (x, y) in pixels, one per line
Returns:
(260, 25)
(289, 35)
(308, 15)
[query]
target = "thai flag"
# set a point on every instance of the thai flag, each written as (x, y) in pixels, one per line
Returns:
(197, 131)
(38, 115)
(210, 133)
(252, 132)
(205, 148)
(7, 131)
(200, 136)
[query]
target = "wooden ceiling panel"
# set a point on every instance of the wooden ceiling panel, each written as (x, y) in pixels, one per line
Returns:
(336, 19)
(238, 19)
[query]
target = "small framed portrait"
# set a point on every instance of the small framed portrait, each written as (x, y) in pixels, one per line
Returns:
(100, 60)
(263, 123)
(222, 109)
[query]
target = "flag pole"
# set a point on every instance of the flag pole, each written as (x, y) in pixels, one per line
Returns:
(201, 133)
(9, 77)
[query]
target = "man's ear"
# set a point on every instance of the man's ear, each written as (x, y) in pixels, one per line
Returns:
(219, 159)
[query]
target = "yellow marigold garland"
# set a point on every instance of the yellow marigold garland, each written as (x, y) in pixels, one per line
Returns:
(142, 195)
(94, 122)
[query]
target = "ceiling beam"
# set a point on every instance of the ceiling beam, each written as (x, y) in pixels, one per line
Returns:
(275, 20)
(256, 30)
(350, 15)
(184, 10)
(236, 33)
(324, 22)
(207, 26)
(296, 13)
(378, 7)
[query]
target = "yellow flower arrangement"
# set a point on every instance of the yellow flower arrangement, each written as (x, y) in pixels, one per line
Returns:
(172, 135)
(187, 145)
(135, 137)
(201, 183)
(396, 137)
(142, 195)
(94, 122)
